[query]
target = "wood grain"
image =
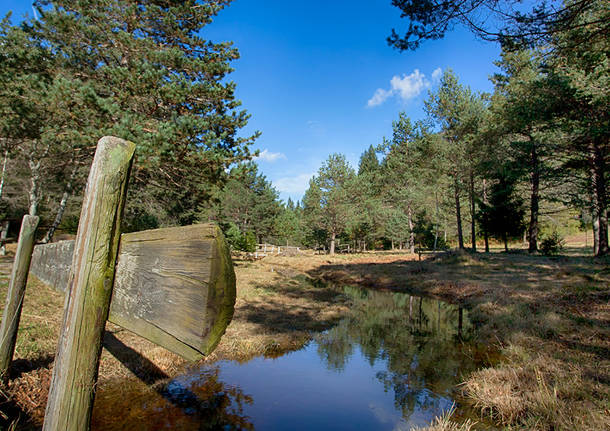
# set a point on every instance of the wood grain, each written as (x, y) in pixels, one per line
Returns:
(173, 286)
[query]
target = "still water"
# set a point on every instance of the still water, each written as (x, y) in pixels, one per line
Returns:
(392, 364)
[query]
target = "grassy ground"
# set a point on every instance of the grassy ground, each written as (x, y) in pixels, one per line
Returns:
(550, 316)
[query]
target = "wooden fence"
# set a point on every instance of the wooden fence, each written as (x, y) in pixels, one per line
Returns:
(263, 250)
(174, 286)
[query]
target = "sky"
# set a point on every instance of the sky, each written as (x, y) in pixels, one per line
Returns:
(318, 77)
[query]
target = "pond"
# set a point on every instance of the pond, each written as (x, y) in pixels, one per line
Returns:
(392, 364)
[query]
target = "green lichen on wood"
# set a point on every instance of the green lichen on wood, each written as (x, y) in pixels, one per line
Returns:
(87, 303)
(224, 285)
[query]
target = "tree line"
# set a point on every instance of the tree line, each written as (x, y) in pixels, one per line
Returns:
(477, 166)
(537, 146)
(522, 162)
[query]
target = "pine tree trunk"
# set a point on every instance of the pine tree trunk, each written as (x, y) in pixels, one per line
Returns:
(34, 194)
(6, 223)
(436, 221)
(534, 200)
(333, 236)
(458, 213)
(411, 233)
(505, 239)
(62, 207)
(595, 223)
(473, 234)
(60, 214)
(485, 234)
(600, 209)
(4, 236)
(3, 172)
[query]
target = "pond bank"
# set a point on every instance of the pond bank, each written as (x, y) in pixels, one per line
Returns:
(549, 316)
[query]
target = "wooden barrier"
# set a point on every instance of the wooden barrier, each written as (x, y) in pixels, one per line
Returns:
(173, 286)
(16, 292)
(51, 263)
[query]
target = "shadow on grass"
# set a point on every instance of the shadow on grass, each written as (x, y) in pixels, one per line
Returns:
(295, 304)
(24, 366)
(141, 367)
(12, 416)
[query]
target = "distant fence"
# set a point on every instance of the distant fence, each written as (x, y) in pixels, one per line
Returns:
(264, 250)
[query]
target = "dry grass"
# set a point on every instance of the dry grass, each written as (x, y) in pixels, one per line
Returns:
(540, 394)
(444, 423)
(550, 316)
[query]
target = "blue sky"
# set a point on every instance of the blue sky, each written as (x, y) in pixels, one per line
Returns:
(318, 77)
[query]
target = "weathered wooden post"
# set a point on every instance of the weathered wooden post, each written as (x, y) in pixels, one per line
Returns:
(88, 299)
(16, 291)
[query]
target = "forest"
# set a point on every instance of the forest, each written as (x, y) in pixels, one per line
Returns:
(528, 161)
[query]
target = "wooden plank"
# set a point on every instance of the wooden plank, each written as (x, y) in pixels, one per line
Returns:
(51, 263)
(88, 300)
(175, 281)
(16, 292)
(173, 286)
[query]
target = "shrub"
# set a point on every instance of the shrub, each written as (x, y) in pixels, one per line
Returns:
(238, 240)
(552, 243)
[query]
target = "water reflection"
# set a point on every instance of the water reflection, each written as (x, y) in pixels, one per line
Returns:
(424, 345)
(202, 403)
(393, 363)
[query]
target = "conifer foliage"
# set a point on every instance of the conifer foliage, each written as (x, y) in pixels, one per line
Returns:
(141, 70)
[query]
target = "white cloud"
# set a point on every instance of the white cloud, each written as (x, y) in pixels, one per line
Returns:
(268, 156)
(409, 86)
(293, 185)
(405, 87)
(437, 75)
(379, 97)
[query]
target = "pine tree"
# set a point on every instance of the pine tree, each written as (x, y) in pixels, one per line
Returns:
(158, 82)
(327, 202)
(503, 216)
(45, 118)
(451, 106)
(247, 201)
(580, 80)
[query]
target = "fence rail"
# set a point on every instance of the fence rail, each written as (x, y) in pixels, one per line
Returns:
(266, 249)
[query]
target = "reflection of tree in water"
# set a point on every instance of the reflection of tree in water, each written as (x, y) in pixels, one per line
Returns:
(425, 343)
(202, 402)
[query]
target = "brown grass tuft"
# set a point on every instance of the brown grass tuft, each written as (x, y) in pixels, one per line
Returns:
(444, 423)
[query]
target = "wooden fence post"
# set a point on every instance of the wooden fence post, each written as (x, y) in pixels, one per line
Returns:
(16, 292)
(87, 303)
